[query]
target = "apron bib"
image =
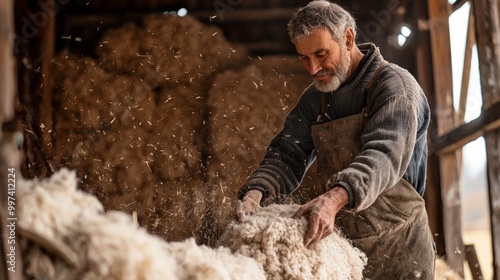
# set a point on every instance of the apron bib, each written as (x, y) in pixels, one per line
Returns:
(394, 231)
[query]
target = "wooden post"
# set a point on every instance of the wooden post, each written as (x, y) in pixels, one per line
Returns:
(10, 258)
(7, 64)
(492, 140)
(439, 11)
(473, 262)
(35, 30)
(425, 78)
(488, 47)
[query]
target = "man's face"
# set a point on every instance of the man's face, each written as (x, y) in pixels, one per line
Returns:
(325, 59)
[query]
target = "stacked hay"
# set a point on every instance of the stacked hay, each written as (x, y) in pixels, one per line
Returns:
(276, 240)
(133, 120)
(168, 50)
(248, 107)
(168, 127)
(108, 245)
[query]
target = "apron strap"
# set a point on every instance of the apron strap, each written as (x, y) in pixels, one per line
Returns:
(322, 114)
(372, 82)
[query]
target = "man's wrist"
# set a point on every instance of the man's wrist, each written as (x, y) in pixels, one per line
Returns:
(339, 196)
(254, 194)
(350, 198)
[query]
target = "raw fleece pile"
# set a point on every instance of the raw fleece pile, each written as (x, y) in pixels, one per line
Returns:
(276, 241)
(109, 245)
(444, 272)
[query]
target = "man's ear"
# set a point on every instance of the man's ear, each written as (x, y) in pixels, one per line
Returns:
(349, 38)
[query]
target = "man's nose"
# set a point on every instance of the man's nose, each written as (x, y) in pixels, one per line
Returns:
(314, 66)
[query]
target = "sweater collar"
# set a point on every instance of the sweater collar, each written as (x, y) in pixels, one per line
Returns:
(368, 63)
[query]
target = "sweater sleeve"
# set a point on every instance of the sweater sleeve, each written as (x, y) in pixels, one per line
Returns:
(388, 139)
(289, 154)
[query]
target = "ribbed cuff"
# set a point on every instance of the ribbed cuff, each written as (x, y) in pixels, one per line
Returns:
(243, 191)
(346, 187)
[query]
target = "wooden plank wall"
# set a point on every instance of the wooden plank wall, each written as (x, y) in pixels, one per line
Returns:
(439, 11)
(453, 133)
(488, 46)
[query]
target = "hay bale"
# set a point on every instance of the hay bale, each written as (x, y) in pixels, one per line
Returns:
(176, 140)
(133, 119)
(169, 50)
(113, 127)
(248, 107)
(276, 240)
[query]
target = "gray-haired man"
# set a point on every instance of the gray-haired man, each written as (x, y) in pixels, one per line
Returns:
(365, 122)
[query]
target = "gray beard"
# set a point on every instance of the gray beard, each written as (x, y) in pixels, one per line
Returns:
(336, 80)
(330, 85)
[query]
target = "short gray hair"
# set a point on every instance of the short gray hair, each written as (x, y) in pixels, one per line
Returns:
(321, 14)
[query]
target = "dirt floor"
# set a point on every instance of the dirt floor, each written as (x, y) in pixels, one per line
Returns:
(169, 120)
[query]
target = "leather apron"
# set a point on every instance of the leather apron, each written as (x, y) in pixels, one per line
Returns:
(394, 231)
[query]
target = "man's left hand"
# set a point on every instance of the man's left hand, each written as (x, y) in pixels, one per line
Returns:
(321, 213)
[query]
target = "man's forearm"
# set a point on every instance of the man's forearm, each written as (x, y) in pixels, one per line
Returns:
(339, 196)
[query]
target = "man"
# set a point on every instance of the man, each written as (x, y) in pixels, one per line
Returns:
(365, 121)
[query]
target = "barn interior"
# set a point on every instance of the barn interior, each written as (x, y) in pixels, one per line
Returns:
(163, 108)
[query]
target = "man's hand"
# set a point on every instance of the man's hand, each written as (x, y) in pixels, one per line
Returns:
(321, 213)
(251, 202)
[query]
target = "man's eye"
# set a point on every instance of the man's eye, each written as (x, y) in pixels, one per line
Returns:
(321, 55)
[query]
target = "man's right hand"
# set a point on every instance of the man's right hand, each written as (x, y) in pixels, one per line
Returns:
(251, 202)
(321, 213)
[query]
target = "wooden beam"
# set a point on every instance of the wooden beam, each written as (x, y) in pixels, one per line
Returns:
(245, 15)
(11, 267)
(488, 120)
(35, 47)
(47, 50)
(212, 16)
(464, 89)
(488, 47)
(432, 193)
(492, 140)
(6, 57)
(458, 4)
(439, 11)
(473, 262)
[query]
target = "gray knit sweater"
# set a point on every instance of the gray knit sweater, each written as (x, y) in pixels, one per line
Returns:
(394, 141)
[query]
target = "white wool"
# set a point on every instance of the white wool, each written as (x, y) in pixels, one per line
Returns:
(276, 240)
(117, 249)
(56, 195)
(201, 262)
(444, 272)
(109, 245)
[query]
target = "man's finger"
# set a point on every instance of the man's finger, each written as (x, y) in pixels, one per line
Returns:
(312, 231)
(300, 212)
